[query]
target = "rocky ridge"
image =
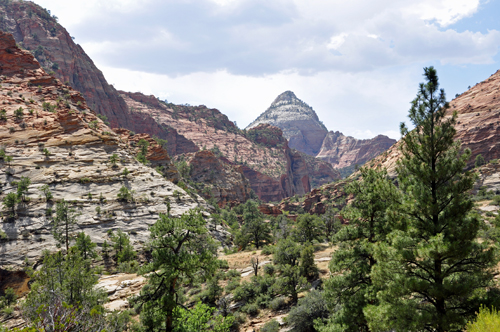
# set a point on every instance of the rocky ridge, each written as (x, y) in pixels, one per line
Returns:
(478, 111)
(54, 139)
(262, 154)
(306, 133)
(36, 30)
(346, 151)
(218, 178)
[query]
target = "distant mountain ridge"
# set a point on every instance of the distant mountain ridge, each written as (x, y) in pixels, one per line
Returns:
(305, 132)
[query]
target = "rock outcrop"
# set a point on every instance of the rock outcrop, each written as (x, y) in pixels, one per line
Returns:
(306, 133)
(345, 151)
(262, 154)
(299, 122)
(157, 155)
(37, 31)
(56, 140)
(219, 179)
(477, 127)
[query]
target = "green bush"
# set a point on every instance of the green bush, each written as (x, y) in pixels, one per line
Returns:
(277, 304)
(223, 264)
(263, 300)
(486, 321)
(128, 267)
(496, 200)
(269, 269)
(7, 311)
(232, 285)
(268, 250)
(272, 326)
(309, 308)
(233, 274)
(9, 296)
(251, 309)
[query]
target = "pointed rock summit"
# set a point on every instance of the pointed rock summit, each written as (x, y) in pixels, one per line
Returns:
(298, 121)
(305, 132)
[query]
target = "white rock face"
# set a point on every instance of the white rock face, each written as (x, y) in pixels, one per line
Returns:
(298, 121)
(73, 173)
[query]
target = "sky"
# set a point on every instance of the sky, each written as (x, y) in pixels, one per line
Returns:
(358, 63)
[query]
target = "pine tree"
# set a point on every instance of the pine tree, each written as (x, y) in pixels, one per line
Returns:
(309, 228)
(255, 229)
(351, 288)
(85, 246)
(433, 271)
(64, 223)
(182, 252)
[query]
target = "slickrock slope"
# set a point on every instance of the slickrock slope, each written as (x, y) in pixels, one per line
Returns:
(478, 123)
(262, 154)
(344, 151)
(301, 126)
(56, 140)
(157, 155)
(299, 122)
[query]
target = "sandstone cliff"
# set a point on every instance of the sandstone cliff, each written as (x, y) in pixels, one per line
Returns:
(216, 177)
(345, 151)
(54, 139)
(477, 125)
(37, 31)
(262, 154)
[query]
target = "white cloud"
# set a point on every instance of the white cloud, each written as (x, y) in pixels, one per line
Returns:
(356, 62)
(337, 41)
(380, 105)
(445, 12)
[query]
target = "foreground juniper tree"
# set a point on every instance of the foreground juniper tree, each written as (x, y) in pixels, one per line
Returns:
(182, 252)
(433, 271)
(351, 288)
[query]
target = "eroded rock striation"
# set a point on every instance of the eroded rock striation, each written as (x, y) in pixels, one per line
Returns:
(345, 151)
(220, 179)
(299, 122)
(55, 139)
(478, 124)
(36, 30)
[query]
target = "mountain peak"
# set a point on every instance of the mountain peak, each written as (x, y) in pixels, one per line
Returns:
(286, 96)
(299, 122)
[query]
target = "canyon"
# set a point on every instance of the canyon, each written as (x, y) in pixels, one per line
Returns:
(274, 173)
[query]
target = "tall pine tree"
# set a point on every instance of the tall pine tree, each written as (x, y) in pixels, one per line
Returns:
(350, 288)
(433, 271)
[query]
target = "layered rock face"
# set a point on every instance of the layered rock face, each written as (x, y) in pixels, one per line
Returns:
(262, 154)
(157, 155)
(344, 151)
(477, 127)
(222, 181)
(299, 122)
(37, 31)
(320, 172)
(301, 126)
(54, 139)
